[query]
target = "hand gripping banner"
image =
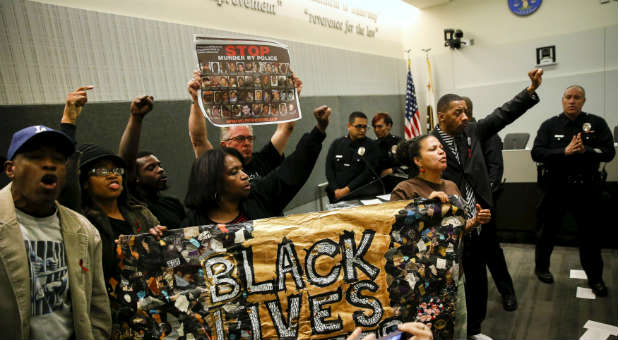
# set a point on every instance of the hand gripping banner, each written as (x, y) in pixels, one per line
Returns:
(308, 276)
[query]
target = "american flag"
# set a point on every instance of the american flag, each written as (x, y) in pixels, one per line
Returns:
(412, 127)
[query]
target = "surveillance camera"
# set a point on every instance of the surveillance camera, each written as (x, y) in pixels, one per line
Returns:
(453, 39)
(448, 34)
(467, 42)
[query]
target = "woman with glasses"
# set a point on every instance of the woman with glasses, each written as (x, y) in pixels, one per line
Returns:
(99, 190)
(107, 204)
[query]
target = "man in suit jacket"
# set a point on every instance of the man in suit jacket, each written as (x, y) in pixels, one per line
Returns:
(466, 166)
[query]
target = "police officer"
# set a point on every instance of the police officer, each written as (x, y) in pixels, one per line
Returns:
(351, 160)
(382, 124)
(571, 147)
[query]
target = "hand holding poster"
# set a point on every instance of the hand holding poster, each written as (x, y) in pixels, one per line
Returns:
(245, 82)
(316, 275)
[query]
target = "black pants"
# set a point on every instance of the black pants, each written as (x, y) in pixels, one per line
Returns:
(584, 203)
(480, 251)
(494, 257)
(473, 261)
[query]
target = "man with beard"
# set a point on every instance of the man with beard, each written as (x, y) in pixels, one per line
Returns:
(463, 143)
(146, 176)
(496, 262)
(51, 274)
(150, 181)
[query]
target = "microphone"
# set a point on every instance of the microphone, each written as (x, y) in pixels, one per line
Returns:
(361, 152)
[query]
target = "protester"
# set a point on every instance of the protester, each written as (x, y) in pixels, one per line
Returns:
(104, 197)
(219, 190)
(54, 287)
(146, 177)
(426, 159)
(571, 147)
(496, 262)
(106, 202)
(351, 160)
(240, 137)
(466, 167)
(151, 180)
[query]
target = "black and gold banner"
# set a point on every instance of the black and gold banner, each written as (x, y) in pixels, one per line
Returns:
(309, 276)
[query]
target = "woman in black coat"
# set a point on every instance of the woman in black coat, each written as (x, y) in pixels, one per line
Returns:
(219, 190)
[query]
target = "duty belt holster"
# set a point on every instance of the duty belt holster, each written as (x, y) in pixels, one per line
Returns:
(542, 175)
(578, 179)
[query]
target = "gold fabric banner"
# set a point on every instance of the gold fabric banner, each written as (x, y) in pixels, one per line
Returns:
(308, 276)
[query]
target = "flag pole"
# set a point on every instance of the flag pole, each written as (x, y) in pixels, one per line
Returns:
(412, 121)
(429, 92)
(408, 51)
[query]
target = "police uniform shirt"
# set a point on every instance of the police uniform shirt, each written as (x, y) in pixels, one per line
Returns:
(345, 165)
(557, 132)
(388, 149)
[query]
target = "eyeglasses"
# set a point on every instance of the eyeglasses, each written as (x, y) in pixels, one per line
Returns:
(360, 126)
(106, 172)
(241, 139)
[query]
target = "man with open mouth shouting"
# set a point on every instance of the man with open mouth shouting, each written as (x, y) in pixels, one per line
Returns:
(51, 278)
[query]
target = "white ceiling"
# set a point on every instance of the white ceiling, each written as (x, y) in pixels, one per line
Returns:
(422, 4)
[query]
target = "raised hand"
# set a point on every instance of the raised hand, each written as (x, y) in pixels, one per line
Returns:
(140, 106)
(298, 84)
(74, 104)
(322, 115)
(194, 85)
(536, 78)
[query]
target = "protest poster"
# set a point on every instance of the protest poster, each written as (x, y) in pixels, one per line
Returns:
(245, 81)
(308, 276)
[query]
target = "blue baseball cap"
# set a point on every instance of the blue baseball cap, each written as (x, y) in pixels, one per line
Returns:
(44, 135)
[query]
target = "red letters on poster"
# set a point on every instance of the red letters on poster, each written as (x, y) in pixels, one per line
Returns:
(242, 50)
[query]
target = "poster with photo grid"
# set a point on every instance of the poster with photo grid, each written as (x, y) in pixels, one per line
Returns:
(245, 82)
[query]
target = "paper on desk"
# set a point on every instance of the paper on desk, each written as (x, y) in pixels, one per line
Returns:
(585, 293)
(594, 334)
(578, 274)
(610, 329)
(372, 201)
(386, 197)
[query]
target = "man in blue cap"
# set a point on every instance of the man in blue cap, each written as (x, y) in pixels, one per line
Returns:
(51, 276)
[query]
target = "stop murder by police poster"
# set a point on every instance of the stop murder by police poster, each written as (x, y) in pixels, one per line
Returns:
(245, 81)
(308, 276)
